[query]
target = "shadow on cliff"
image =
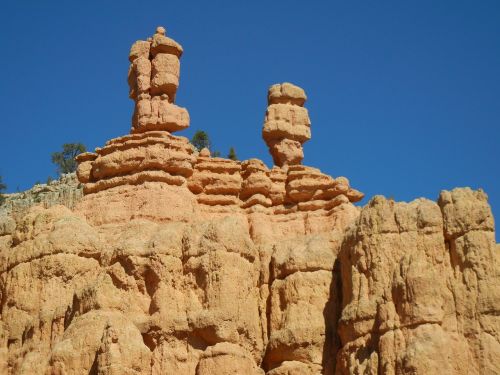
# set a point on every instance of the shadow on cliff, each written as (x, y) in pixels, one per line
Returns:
(331, 314)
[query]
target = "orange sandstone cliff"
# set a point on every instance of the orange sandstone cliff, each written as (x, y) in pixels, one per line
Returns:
(176, 262)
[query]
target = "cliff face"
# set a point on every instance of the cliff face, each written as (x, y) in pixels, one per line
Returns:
(421, 288)
(177, 262)
(66, 191)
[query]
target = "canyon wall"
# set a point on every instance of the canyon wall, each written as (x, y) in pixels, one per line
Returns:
(66, 190)
(174, 261)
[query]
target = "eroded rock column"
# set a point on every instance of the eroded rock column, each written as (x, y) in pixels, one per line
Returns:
(144, 174)
(286, 125)
(153, 80)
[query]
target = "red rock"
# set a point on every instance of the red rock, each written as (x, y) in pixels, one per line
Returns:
(175, 262)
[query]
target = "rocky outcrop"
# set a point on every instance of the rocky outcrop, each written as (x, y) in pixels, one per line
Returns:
(398, 288)
(178, 262)
(421, 288)
(66, 190)
(156, 175)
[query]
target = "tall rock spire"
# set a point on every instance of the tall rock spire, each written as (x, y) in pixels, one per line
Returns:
(153, 80)
(286, 125)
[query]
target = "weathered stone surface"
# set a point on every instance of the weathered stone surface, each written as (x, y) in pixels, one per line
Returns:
(286, 125)
(420, 288)
(157, 113)
(176, 262)
(383, 290)
(227, 359)
(153, 80)
(67, 190)
(215, 181)
(286, 93)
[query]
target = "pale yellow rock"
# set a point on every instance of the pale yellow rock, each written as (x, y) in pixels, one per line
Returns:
(205, 152)
(7, 225)
(139, 49)
(286, 93)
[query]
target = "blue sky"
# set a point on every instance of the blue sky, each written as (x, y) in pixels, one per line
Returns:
(404, 96)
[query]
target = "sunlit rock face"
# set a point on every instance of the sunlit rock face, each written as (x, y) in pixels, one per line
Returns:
(176, 262)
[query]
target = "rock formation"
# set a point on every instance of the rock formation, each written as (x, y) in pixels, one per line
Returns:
(153, 80)
(287, 125)
(66, 191)
(176, 262)
(421, 288)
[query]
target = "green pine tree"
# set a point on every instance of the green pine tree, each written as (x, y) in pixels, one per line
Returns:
(65, 160)
(2, 189)
(232, 154)
(201, 140)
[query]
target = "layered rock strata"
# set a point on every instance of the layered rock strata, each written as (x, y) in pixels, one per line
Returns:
(287, 124)
(394, 288)
(153, 80)
(176, 262)
(123, 176)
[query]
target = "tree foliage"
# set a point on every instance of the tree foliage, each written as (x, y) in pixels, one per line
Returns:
(2, 189)
(65, 160)
(201, 140)
(232, 154)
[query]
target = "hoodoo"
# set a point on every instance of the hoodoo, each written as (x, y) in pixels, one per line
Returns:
(287, 125)
(176, 262)
(121, 178)
(153, 80)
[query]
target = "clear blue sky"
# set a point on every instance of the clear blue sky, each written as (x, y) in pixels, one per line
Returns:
(404, 97)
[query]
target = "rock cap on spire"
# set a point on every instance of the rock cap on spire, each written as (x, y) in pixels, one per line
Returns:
(162, 44)
(286, 93)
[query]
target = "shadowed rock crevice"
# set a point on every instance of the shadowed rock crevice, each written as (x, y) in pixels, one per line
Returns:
(331, 314)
